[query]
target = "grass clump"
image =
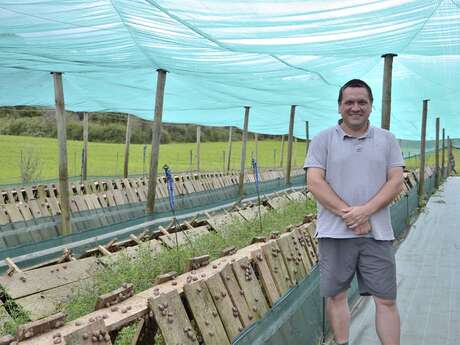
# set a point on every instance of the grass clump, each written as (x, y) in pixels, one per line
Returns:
(142, 270)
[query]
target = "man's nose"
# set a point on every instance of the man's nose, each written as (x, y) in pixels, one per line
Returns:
(355, 107)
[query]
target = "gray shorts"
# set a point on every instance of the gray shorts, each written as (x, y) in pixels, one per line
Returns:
(373, 262)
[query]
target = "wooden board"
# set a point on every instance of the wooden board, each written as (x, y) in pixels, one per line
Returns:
(265, 276)
(234, 291)
(45, 278)
(175, 327)
(297, 196)
(13, 213)
(275, 261)
(278, 202)
(228, 311)
(53, 205)
(306, 262)
(292, 253)
(205, 313)
(183, 237)
(252, 290)
(221, 221)
(49, 302)
(252, 212)
(4, 316)
(84, 335)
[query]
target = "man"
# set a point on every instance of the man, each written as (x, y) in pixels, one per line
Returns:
(355, 170)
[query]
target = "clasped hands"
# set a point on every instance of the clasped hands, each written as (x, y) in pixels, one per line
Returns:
(357, 219)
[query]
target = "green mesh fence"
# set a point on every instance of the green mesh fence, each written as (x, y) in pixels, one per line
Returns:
(297, 318)
(23, 238)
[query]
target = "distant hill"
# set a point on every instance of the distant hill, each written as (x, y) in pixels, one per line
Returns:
(104, 127)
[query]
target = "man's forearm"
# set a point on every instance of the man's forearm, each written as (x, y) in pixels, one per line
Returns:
(385, 195)
(326, 196)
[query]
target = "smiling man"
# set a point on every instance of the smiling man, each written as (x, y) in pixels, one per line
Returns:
(355, 170)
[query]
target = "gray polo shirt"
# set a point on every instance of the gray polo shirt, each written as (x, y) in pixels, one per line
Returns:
(356, 169)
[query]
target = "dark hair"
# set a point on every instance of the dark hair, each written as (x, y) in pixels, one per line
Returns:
(356, 83)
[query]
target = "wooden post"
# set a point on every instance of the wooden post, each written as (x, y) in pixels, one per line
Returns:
(449, 154)
(282, 152)
(198, 142)
(84, 168)
(307, 137)
(62, 141)
(443, 163)
(229, 148)
(290, 139)
(156, 134)
(127, 142)
(436, 155)
(243, 151)
(421, 180)
(386, 90)
(223, 161)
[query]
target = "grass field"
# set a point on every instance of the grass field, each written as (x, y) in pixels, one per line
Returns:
(106, 160)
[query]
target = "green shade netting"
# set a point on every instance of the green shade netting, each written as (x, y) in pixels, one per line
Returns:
(223, 55)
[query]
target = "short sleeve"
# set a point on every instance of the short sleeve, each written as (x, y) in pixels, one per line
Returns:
(317, 153)
(395, 155)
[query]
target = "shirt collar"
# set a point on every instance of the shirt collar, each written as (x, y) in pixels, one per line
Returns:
(368, 134)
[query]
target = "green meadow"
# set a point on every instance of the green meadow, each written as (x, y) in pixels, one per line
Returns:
(106, 160)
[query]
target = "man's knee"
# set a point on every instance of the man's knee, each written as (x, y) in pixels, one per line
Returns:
(341, 297)
(385, 303)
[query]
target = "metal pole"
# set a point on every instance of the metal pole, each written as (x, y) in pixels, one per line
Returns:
(127, 142)
(290, 139)
(243, 152)
(198, 142)
(156, 134)
(256, 141)
(307, 137)
(229, 148)
(436, 169)
(443, 153)
(386, 90)
(282, 152)
(85, 147)
(421, 180)
(66, 227)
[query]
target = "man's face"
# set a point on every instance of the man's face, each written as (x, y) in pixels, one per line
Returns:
(355, 107)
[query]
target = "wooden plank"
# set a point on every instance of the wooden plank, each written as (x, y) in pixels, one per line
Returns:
(119, 197)
(33, 328)
(45, 278)
(25, 211)
(3, 216)
(183, 237)
(13, 213)
(292, 254)
(252, 212)
(53, 205)
(218, 223)
(251, 288)
(172, 319)
(114, 297)
(272, 254)
(278, 202)
(228, 311)
(30, 193)
(46, 303)
(205, 314)
(94, 332)
(235, 293)
(306, 262)
(265, 277)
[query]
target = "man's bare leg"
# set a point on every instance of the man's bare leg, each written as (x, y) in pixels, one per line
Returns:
(338, 314)
(387, 321)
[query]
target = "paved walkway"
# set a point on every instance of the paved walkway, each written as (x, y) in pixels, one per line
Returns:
(428, 269)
